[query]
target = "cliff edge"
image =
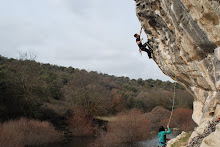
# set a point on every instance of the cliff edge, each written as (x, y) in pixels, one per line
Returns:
(185, 35)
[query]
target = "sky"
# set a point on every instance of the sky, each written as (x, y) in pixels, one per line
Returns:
(96, 35)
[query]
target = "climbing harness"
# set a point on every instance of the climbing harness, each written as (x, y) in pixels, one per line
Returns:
(148, 45)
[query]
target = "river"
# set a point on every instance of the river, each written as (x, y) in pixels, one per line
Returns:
(84, 141)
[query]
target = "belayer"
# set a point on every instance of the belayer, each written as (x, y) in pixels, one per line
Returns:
(142, 47)
(162, 136)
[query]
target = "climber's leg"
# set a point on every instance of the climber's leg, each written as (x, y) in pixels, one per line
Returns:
(148, 52)
(145, 44)
(148, 46)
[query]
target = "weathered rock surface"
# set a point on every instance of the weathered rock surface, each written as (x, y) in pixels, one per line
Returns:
(213, 139)
(185, 35)
(203, 133)
(174, 140)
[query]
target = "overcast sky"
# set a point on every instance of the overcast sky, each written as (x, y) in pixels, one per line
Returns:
(96, 35)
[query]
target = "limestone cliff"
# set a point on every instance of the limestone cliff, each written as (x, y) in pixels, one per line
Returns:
(185, 35)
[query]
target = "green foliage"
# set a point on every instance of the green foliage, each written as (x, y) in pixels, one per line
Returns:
(140, 82)
(20, 87)
(26, 85)
(55, 90)
(132, 103)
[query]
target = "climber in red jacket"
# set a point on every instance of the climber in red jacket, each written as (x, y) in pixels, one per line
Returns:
(142, 47)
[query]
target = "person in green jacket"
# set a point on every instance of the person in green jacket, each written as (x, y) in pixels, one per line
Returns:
(162, 136)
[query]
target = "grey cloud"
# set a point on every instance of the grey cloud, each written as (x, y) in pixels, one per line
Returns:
(91, 34)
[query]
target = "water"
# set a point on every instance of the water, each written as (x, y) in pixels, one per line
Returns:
(84, 141)
(75, 142)
(154, 139)
(152, 142)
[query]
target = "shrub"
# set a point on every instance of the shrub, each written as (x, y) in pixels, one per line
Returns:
(164, 123)
(182, 118)
(27, 132)
(80, 124)
(129, 127)
(157, 115)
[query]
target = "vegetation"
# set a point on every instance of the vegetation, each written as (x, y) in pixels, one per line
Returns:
(28, 88)
(72, 97)
(27, 132)
(80, 124)
(182, 141)
(129, 127)
(182, 118)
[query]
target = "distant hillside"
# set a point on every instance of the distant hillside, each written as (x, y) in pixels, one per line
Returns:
(44, 91)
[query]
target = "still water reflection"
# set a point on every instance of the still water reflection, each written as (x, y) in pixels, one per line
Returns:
(84, 141)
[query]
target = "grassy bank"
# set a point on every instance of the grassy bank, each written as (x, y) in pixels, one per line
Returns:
(182, 141)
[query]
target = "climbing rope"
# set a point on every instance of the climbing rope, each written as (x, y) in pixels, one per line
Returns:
(174, 94)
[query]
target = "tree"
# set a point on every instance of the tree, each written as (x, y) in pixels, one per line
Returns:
(84, 90)
(21, 87)
(117, 104)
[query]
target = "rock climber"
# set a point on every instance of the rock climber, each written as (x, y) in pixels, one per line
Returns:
(142, 47)
(162, 136)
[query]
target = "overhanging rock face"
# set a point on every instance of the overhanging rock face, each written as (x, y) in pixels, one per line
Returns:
(185, 35)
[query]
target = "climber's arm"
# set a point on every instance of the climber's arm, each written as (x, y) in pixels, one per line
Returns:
(168, 132)
(140, 31)
(140, 51)
(138, 42)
